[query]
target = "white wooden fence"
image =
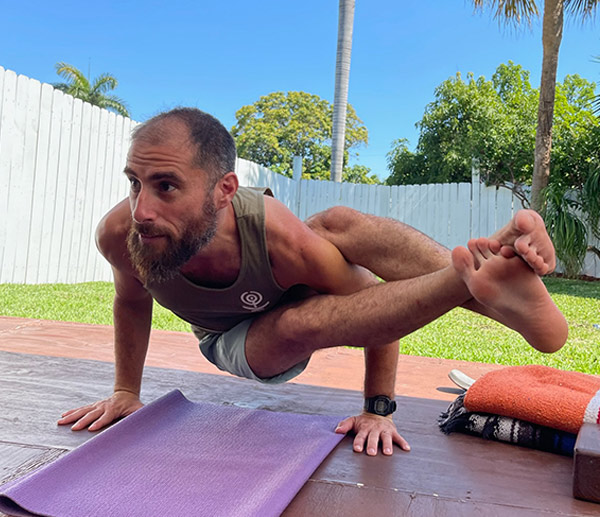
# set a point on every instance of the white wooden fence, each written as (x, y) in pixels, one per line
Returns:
(60, 171)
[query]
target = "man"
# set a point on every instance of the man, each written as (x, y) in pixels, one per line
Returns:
(264, 290)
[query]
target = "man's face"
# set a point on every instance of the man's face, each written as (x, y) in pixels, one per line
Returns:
(172, 207)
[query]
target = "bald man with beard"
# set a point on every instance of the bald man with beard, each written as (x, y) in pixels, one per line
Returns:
(264, 290)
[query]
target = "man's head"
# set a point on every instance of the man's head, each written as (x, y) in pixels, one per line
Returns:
(180, 168)
(213, 146)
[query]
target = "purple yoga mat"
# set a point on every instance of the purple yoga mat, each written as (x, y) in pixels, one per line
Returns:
(178, 458)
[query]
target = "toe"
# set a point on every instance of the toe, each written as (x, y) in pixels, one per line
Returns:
(495, 246)
(522, 245)
(476, 254)
(462, 260)
(507, 252)
(525, 220)
(483, 245)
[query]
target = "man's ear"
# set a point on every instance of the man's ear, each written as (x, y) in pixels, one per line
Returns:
(225, 189)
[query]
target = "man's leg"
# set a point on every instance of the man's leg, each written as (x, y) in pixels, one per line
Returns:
(380, 314)
(375, 316)
(394, 251)
(390, 249)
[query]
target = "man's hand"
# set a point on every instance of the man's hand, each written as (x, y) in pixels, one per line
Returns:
(372, 429)
(99, 414)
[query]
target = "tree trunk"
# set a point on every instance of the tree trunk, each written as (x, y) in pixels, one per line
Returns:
(342, 77)
(551, 37)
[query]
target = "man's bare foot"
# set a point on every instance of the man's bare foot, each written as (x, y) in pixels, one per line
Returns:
(512, 291)
(526, 235)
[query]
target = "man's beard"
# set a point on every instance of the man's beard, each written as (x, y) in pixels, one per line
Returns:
(160, 266)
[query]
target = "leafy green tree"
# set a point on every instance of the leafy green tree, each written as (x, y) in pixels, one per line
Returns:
(406, 167)
(572, 197)
(360, 174)
(280, 125)
(96, 92)
(512, 11)
(492, 121)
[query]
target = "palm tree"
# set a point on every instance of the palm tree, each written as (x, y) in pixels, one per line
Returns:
(552, 27)
(95, 93)
(342, 77)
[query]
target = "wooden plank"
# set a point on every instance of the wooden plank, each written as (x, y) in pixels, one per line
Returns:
(319, 498)
(40, 189)
(7, 141)
(20, 185)
(476, 187)
(17, 460)
(87, 248)
(303, 209)
(12, 456)
(69, 221)
(30, 178)
(460, 231)
(95, 262)
(62, 111)
(47, 207)
(79, 192)
(504, 207)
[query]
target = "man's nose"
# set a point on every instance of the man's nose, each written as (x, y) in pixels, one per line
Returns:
(143, 209)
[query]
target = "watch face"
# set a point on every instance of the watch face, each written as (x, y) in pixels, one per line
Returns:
(381, 406)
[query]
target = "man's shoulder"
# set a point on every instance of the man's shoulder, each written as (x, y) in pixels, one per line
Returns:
(111, 234)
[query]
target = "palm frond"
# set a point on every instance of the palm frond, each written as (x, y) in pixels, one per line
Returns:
(583, 8)
(114, 103)
(512, 11)
(104, 83)
(567, 231)
(79, 87)
(73, 76)
(590, 197)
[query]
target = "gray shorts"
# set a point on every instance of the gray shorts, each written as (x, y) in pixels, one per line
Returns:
(227, 351)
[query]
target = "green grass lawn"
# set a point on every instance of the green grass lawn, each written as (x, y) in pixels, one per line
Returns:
(457, 335)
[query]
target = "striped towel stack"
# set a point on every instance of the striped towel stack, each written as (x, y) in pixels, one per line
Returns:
(535, 406)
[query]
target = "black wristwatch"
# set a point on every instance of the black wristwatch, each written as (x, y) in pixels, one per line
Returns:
(380, 405)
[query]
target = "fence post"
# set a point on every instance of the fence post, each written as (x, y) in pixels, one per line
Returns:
(475, 199)
(297, 177)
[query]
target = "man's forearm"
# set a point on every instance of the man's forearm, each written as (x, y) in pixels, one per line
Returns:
(380, 370)
(132, 323)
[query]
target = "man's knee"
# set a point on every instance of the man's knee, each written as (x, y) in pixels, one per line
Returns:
(294, 330)
(334, 220)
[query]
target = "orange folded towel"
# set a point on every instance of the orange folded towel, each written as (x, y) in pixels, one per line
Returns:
(538, 394)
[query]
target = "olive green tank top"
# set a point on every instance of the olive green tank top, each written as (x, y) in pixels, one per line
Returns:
(255, 290)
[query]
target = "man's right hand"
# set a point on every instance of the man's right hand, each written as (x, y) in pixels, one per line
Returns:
(99, 414)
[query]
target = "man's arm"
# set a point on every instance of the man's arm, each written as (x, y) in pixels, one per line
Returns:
(301, 256)
(380, 379)
(132, 315)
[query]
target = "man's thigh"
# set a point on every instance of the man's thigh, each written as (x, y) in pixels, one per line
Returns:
(277, 340)
(230, 350)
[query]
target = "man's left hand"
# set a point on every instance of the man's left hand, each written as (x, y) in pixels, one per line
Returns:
(370, 430)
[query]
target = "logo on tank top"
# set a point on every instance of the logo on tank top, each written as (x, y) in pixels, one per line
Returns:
(252, 300)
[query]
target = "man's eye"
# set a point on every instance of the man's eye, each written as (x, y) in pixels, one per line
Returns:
(164, 186)
(134, 184)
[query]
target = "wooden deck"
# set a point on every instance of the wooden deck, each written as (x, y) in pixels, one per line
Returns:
(46, 368)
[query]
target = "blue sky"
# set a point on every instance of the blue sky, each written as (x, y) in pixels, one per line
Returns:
(220, 56)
